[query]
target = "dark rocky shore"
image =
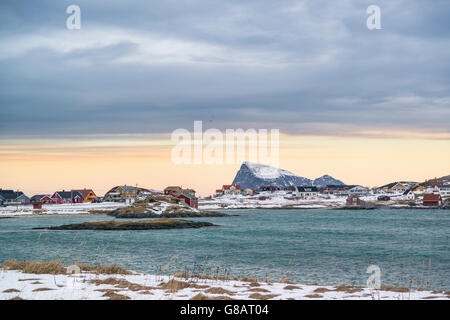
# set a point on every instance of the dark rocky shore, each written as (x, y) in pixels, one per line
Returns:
(136, 214)
(134, 225)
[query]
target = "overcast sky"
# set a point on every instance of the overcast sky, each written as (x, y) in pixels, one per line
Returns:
(305, 67)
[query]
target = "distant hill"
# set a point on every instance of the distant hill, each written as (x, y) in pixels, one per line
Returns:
(436, 181)
(327, 180)
(253, 175)
(426, 183)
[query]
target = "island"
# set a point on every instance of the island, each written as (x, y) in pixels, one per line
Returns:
(131, 225)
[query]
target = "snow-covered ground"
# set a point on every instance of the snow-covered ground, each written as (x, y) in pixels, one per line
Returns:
(88, 286)
(69, 208)
(278, 199)
(283, 199)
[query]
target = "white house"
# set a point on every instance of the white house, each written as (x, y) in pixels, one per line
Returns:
(444, 190)
(358, 191)
(307, 192)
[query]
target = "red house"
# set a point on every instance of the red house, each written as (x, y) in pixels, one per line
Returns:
(189, 199)
(60, 197)
(354, 201)
(432, 200)
(41, 198)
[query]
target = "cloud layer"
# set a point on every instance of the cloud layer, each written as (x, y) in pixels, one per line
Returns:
(306, 67)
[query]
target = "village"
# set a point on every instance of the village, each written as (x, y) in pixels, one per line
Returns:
(393, 195)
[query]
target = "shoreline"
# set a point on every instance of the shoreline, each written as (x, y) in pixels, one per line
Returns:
(9, 216)
(128, 285)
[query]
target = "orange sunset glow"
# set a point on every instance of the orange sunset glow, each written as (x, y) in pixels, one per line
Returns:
(43, 166)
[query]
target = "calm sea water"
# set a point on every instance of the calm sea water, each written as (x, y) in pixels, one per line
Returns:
(329, 247)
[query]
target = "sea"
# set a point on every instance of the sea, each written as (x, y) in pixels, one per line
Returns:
(307, 246)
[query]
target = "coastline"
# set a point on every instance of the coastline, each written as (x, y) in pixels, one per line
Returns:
(89, 285)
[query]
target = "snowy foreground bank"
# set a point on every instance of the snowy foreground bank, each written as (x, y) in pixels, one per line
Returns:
(88, 286)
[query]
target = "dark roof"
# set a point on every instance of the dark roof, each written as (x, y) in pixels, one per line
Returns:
(340, 186)
(39, 196)
(69, 194)
(10, 194)
(84, 192)
(307, 189)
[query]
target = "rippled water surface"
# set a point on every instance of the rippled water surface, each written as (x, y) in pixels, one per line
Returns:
(310, 246)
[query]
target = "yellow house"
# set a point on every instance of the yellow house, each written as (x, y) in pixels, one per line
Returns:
(88, 195)
(399, 187)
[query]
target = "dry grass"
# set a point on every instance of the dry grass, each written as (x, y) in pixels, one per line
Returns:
(247, 279)
(223, 298)
(259, 296)
(322, 290)
(394, 288)
(30, 279)
(112, 295)
(174, 285)
(16, 298)
(313, 296)
(101, 269)
(42, 289)
(55, 267)
(291, 287)
(10, 290)
(52, 267)
(36, 282)
(218, 290)
(122, 284)
(347, 289)
(254, 284)
(258, 290)
(201, 297)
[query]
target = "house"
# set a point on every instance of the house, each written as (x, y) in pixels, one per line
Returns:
(289, 188)
(336, 189)
(269, 188)
(60, 197)
(41, 198)
(396, 187)
(358, 191)
(175, 191)
(123, 193)
(307, 192)
(189, 199)
(384, 198)
(11, 197)
(88, 195)
(249, 192)
(231, 189)
(355, 201)
(415, 189)
(432, 200)
(399, 188)
(444, 190)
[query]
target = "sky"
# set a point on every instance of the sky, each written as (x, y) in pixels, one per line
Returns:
(95, 107)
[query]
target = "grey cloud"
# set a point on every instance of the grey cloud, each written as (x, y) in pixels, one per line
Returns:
(293, 65)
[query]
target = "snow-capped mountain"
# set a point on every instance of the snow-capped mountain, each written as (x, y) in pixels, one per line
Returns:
(253, 175)
(327, 180)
